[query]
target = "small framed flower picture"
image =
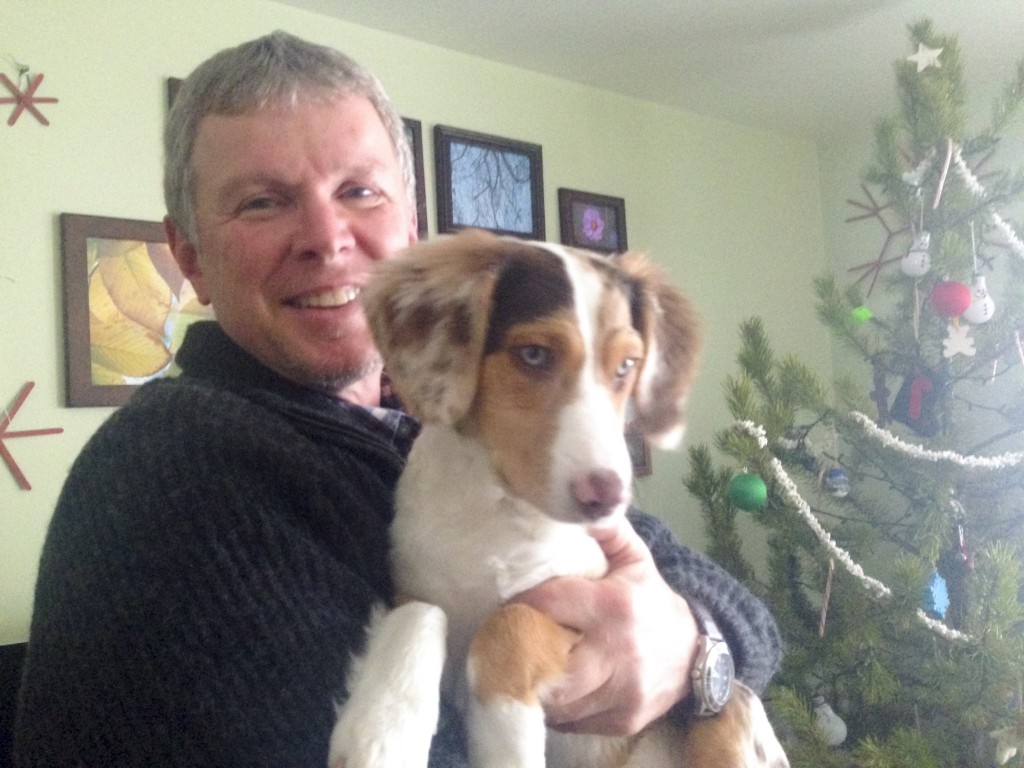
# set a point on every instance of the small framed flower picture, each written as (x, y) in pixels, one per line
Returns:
(596, 222)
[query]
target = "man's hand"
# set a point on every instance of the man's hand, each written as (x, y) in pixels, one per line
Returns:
(638, 641)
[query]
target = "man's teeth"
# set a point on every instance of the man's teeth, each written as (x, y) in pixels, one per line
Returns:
(336, 298)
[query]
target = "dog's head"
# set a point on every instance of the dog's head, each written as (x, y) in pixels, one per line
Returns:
(535, 350)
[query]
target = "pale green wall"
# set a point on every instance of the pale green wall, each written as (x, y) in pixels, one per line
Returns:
(733, 213)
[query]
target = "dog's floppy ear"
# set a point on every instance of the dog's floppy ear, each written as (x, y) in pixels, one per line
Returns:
(669, 326)
(428, 309)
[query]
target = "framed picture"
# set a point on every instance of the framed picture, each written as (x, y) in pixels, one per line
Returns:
(597, 222)
(173, 86)
(414, 133)
(126, 307)
(488, 182)
(639, 452)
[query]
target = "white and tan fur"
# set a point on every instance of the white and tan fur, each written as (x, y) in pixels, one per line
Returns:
(520, 360)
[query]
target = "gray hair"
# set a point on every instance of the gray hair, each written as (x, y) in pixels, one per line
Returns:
(277, 69)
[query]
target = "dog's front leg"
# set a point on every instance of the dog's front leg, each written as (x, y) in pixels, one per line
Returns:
(391, 713)
(517, 653)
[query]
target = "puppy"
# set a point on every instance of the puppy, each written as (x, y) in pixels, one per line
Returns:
(521, 360)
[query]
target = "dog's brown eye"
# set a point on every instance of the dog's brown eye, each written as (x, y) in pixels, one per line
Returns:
(535, 356)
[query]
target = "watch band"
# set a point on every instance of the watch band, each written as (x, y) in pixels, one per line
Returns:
(712, 673)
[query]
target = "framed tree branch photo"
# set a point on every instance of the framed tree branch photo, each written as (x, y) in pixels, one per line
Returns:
(488, 182)
(126, 307)
(414, 133)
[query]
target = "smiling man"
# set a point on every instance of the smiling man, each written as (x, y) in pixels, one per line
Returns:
(220, 542)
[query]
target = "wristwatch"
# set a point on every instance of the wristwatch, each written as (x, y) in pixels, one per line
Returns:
(713, 669)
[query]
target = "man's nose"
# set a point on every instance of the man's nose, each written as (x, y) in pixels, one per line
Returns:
(325, 228)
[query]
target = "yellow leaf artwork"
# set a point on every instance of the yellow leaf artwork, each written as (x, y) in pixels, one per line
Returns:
(139, 307)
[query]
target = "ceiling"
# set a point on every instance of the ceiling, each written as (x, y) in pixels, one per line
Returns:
(821, 69)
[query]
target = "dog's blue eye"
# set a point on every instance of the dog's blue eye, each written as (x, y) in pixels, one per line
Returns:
(535, 356)
(625, 367)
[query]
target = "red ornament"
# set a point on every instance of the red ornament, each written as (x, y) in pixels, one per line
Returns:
(950, 298)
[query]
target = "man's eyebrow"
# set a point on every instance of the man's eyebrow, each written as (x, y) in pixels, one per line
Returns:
(238, 184)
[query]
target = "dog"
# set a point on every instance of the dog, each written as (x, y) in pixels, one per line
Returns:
(522, 361)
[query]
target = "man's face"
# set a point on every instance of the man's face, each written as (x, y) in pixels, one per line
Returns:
(292, 207)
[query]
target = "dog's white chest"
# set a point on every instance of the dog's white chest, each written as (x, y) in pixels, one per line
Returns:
(459, 542)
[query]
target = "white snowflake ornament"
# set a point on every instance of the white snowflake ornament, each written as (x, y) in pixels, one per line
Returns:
(958, 341)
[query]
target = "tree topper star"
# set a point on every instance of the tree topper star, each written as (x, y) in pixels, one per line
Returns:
(926, 57)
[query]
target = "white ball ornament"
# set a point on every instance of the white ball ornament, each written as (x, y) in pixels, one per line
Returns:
(917, 262)
(829, 723)
(982, 307)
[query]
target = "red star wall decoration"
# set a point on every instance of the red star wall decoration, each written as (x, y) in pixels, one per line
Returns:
(5, 434)
(25, 101)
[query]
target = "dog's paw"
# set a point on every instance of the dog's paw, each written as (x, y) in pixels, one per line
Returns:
(394, 692)
(358, 744)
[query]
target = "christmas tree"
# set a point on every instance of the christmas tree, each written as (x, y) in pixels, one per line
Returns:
(893, 499)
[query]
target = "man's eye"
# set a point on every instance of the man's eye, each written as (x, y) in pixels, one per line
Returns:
(262, 203)
(535, 356)
(361, 195)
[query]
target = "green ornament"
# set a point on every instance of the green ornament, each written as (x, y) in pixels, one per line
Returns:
(747, 491)
(861, 315)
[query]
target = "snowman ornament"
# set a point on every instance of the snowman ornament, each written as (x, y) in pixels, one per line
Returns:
(917, 262)
(982, 307)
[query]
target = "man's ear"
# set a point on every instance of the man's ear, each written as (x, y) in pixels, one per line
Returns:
(187, 258)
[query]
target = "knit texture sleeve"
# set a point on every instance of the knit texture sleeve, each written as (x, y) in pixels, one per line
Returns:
(747, 625)
(206, 578)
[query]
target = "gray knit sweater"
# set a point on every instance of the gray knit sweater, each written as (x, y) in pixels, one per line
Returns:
(212, 562)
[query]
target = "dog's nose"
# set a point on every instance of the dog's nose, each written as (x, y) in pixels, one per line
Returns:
(598, 492)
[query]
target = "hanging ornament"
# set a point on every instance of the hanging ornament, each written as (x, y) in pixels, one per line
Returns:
(747, 491)
(982, 306)
(936, 596)
(915, 404)
(917, 262)
(829, 723)
(950, 298)
(25, 101)
(7, 434)
(1008, 741)
(860, 315)
(958, 341)
(837, 483)
(925, 57)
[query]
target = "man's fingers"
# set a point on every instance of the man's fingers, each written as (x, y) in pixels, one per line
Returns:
(621, 544)
(568, 600)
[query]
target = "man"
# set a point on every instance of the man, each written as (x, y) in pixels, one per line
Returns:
(217, 547)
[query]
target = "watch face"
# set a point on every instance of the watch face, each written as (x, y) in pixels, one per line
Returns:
(720, 674)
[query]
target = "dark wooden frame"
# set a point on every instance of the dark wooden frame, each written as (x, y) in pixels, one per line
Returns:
(571, 204)
(414, 132)
(76, 230)
(173, 86)
(445, 138)
(639, 452)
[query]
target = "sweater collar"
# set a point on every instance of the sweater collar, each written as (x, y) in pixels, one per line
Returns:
(209, 354)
